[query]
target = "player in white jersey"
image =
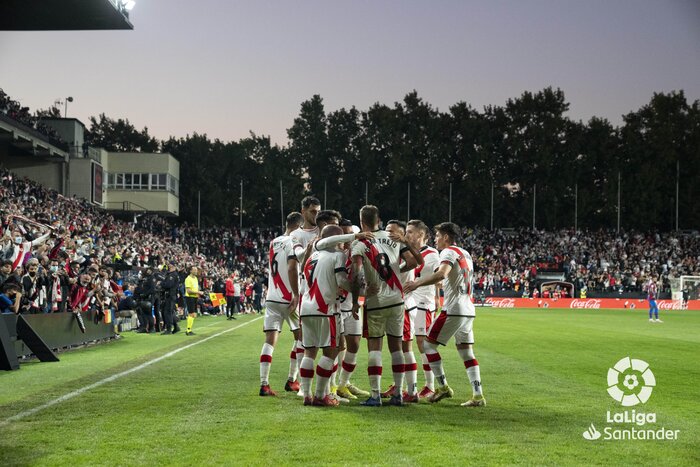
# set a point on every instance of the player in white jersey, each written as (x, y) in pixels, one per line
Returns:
(301, 237)
(350, 325)
(426, 297)
(457, 275)
(377, 260)
(280, 309)
(324, 273)
(397, 229)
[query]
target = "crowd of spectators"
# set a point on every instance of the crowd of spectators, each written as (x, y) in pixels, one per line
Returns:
(23, 115)
(602, 261)
(51, 246)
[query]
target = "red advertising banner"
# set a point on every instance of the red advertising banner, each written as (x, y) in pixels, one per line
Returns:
(97, 183)
(589, 303)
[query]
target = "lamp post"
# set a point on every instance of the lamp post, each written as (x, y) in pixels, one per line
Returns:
(65, 108)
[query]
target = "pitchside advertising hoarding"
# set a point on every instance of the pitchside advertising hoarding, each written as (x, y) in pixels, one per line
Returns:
(590, 303)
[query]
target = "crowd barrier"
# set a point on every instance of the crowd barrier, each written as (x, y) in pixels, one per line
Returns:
(589, 303)
(43, 334)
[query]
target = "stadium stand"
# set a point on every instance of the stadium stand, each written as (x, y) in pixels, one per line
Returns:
(14, 110)
(508, 263)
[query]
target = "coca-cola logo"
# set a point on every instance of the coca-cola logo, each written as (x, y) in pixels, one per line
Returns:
(588, 303)
(669, 305)
(502, 303)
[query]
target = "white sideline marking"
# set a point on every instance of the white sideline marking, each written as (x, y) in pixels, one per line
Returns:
(109, 379)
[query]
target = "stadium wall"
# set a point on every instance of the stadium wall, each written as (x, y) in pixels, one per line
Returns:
(45, 172)
(589, 303)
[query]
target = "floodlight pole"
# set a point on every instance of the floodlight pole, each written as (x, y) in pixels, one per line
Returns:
(408, 209)
(366, 191)
(678, 174)
(576, 208)
(449, 216)
(534, 204)
(619, 181)
(492, 205)
(65, 106)
(281, 206)
(240, 210)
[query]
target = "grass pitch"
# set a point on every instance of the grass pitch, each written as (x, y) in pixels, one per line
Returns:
(543, 372)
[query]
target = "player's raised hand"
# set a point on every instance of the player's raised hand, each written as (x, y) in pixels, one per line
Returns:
(397, 237)
(364, 236)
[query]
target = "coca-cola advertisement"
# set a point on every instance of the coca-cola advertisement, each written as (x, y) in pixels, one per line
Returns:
(590, 303)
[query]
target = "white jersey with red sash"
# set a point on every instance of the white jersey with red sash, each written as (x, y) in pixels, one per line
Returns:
(278, 288)
(459, 282)
(300, 238)
(381, 257)
(425, 296)
(321, 282)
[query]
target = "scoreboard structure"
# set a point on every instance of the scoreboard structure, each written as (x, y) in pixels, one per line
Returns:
(64, 15)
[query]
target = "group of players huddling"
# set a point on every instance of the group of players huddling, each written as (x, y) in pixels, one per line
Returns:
(320, 268)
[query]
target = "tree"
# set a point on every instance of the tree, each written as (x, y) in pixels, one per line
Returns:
(120, 136)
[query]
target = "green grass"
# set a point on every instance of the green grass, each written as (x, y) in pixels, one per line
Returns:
(543, 371)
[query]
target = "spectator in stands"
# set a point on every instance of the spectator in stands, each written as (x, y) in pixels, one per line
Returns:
(10, 297)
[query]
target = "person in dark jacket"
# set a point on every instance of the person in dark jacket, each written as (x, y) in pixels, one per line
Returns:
(144, 293)
(169, 285)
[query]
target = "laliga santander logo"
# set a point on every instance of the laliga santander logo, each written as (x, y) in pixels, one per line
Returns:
(630, 382)
(590, 303)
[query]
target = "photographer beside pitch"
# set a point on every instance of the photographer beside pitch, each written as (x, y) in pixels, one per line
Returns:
(456, 272)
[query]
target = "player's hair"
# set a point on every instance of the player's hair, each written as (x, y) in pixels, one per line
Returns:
(401, 224)
(330, 230)
(327, 215)
(294, 219)
(420, 225)
(450, 229)
(309, 201)
(369, 215)
(345, 223)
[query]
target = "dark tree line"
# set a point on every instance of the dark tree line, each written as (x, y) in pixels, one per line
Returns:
(526, 145)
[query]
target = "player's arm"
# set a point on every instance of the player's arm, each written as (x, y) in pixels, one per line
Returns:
(356, 282)
(411, 257)
(341, 277)
(292, 270)
(329, 243)
(434, 278)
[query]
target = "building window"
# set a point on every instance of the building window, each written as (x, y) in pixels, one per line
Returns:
(143, 181)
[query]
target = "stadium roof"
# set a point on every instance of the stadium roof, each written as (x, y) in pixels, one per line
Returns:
(62, 15)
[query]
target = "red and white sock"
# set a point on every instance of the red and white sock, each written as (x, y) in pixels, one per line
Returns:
(410, 372)
(374, 370)
(397, 369)
(293, 363)
(334, 376)
(428, 372)
(472, 367)
(347, 368)
(324, 371)
(265, 362)
(300, 353)
(306, 375)
(435, 362)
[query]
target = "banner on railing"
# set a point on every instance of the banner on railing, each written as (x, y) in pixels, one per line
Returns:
(590, 303)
